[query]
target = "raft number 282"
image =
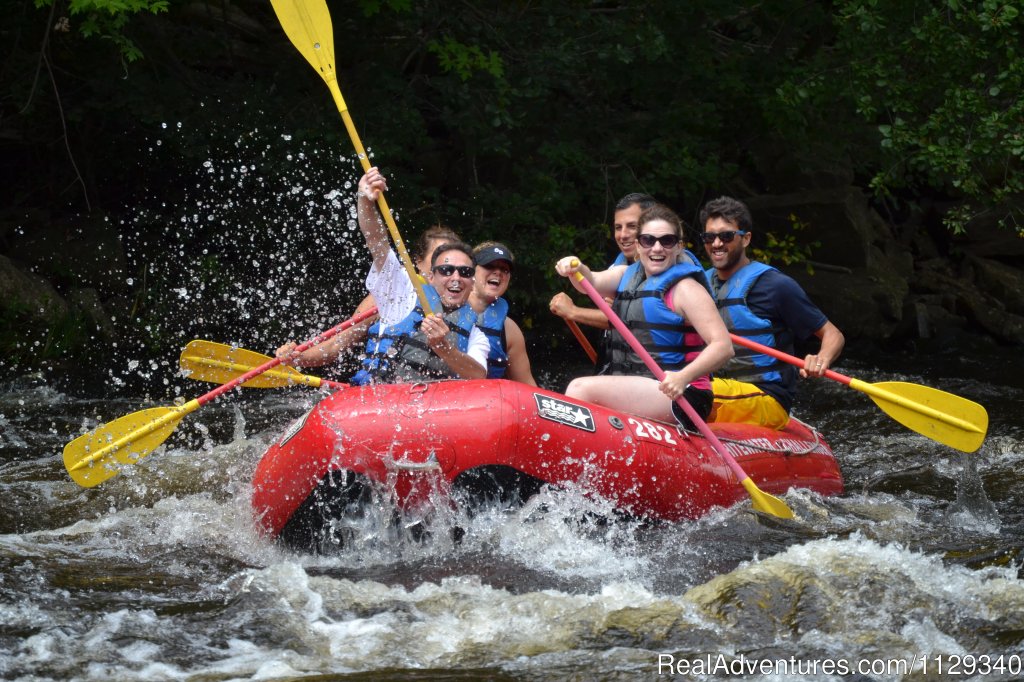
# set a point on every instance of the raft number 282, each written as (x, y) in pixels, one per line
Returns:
(658, 432)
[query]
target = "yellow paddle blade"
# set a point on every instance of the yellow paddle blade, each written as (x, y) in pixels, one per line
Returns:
(95, 456)
(220, 363)
(307, 23)
(763, 502)
(943, 417)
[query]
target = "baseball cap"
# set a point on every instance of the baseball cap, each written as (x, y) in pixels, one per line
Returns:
(489, 254)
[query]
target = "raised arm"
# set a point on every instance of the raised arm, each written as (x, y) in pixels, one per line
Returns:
(370, 224)
(605, 281)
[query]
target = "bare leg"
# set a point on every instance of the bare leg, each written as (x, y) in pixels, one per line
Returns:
(635, 395)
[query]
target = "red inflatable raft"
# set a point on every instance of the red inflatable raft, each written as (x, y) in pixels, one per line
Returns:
(504, 438)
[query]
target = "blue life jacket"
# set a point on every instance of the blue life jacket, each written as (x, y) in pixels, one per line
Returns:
(609, 335)
(687, 256)
(749, 365)
(400, 352)
(640, 304)
(492, 323)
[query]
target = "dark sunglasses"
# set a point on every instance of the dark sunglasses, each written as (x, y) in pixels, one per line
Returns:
(666, 240)
(726, 236)
(446, 270)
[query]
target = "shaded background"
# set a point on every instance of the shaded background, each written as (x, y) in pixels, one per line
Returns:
(180, 171)
(201, 190)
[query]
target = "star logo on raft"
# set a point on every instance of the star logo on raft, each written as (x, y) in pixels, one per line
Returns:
(563, 412)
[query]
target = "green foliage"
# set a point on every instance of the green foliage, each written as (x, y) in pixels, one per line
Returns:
(107, 19)
(464, 59)
(942, 83)
(787, 248)
(371, 8)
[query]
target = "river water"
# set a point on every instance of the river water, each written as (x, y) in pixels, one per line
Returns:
(158, 573)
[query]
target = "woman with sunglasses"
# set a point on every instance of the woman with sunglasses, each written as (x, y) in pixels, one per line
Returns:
(624, 230)
(411, 345)
(667, 306)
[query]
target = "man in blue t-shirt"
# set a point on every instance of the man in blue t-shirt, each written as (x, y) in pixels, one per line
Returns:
(759, 302)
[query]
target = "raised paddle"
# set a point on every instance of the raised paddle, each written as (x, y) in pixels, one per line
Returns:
(943, 417)
(762, 501)
(308, 25)
(219, 363)
(578, 333)
(94, 457)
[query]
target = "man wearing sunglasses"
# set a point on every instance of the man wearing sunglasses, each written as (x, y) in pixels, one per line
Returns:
(412, 346)
(624, 229)
(667, 307)
(626, 224)
(757, 301)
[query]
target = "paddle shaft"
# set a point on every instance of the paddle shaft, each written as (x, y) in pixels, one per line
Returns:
(382, 204)
(578, 333)
(875, 392)
(704, 429)
(785, 357)
(307, 23)
(274, 362)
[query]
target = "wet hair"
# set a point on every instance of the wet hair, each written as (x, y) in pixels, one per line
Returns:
(644, 201)
(433, 233)
(661, 212)
(451, 246)
(728, 209)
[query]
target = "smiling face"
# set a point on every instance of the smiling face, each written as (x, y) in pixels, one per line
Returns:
(454, 289)
(626, 226)
(726, 258)
(657, 259)
(492, 280)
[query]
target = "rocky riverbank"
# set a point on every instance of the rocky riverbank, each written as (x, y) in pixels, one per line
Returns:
(912, 281)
